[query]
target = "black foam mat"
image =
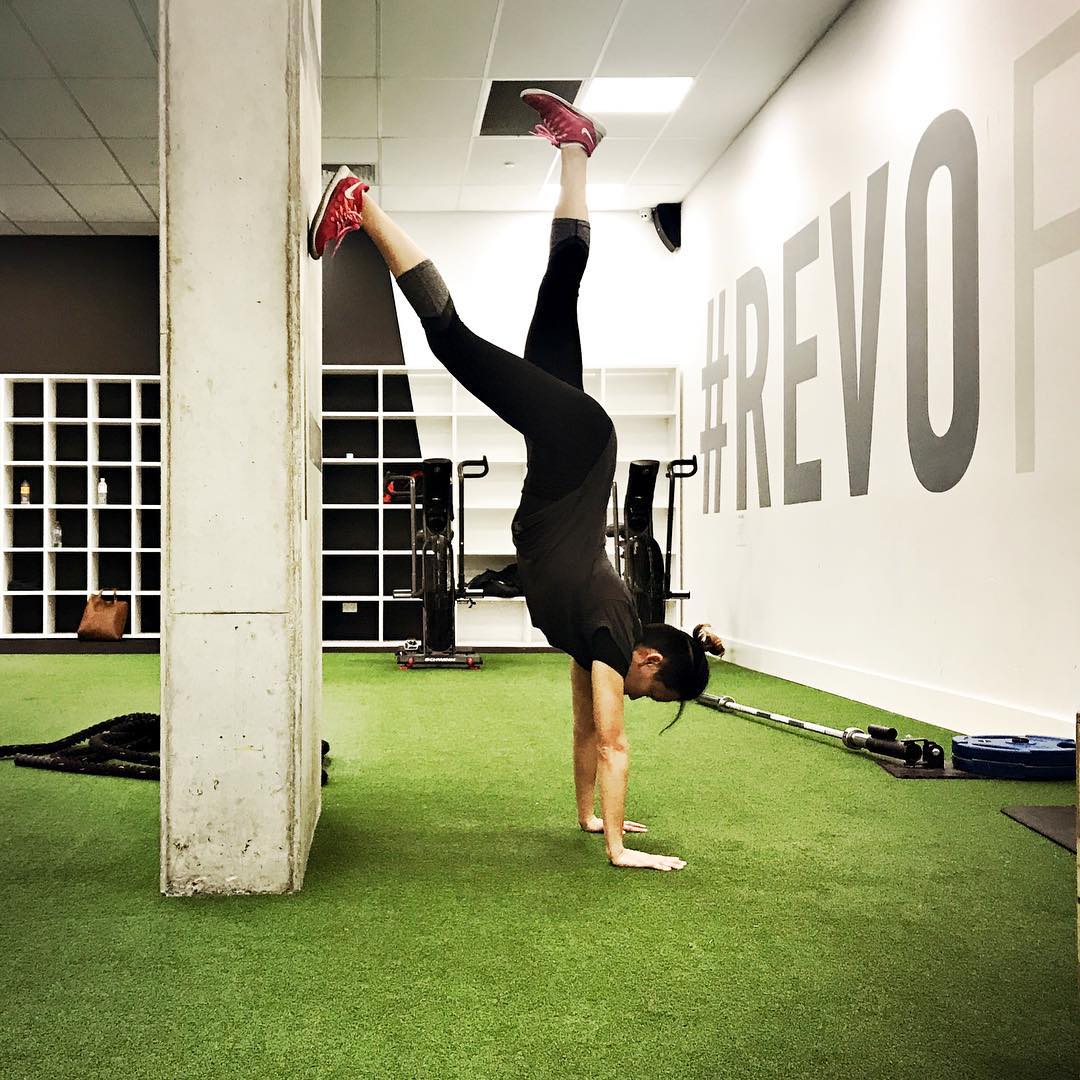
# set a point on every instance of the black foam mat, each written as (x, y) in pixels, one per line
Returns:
(1057, 823)
(903, 771)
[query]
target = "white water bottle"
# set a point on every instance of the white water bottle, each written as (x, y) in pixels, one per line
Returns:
(102, 491)
(57, 535)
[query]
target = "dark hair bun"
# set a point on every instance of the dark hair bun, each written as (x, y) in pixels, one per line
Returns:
(710, 642)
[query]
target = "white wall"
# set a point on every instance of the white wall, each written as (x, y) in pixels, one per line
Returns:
(959, 606)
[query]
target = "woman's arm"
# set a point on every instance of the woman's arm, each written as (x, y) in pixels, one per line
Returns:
(613, 768)
(584, 746)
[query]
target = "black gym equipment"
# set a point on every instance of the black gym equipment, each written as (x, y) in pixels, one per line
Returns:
(638, 559)
(1016, 757)
(915, 753)
(127, 746)
(432, 564)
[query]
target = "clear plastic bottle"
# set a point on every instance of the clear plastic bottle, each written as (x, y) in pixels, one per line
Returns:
(102, 491)
(57, 535)
(24, 493)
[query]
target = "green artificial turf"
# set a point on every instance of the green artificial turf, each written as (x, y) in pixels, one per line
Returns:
(831, 922)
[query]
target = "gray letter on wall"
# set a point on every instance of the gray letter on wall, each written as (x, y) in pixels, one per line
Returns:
(802, 479)
(751, 290)
(941, 460)
(858, 370)
(713, 374)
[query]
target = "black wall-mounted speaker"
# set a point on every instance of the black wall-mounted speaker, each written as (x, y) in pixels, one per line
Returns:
(667, 218)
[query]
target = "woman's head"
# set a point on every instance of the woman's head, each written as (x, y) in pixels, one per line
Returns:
(669, 665)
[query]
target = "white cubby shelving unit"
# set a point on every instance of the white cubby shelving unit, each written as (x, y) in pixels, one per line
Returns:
(379, 420)
(62, 435)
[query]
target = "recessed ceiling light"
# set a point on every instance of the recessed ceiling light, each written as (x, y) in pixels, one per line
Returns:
(635, 95)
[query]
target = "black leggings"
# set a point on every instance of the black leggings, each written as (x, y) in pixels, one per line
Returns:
(541, 395)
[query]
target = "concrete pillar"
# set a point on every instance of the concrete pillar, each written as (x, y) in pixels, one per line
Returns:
(242, 493)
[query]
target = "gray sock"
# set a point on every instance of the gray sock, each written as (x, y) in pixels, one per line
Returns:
(425, 290)
(562, 228)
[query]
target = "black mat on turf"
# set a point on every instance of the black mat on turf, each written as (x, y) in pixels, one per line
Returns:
(903, 771)
(1057, 823)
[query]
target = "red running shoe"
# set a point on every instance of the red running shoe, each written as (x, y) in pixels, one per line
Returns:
(563, 123)
(339, 212)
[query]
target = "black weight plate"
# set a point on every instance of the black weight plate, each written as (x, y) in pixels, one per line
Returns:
(1014, 770)
(1041, 750)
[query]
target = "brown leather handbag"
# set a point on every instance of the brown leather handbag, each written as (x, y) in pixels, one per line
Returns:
(104, 619)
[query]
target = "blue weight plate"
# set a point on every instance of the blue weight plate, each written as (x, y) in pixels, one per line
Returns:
(1014, 770)
(1042, 750)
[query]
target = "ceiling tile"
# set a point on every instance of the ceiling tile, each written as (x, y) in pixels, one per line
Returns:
(531, 159)
(85, 39)
(40, 108)
(415, 108)
(436, 39)
(9, 228)
(616, 159)
(124, 108)
(632, 125)
(19, 56)
(34, 203)
(14, 168)
(400, 199)
(148, 9)
(639, 196)
(533, 42)
(674, 38)
(152, 194)
(435, 161)
(479, 197)
(107, 202)
(348, 38)
(73, 161)
(678, 161)
(139, 157)
(350, 109)
(126, 228)
(75, 227)
(350, 151)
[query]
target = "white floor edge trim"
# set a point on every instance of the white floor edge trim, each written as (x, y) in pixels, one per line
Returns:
(929, 704)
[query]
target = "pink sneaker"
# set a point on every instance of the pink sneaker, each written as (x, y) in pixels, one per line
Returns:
(339, 212)
(563, 123)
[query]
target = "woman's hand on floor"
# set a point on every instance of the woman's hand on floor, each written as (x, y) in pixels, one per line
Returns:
(644, 861)
(596, 824)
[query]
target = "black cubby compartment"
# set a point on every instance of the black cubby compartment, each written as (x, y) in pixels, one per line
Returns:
(350, 484)
(150, 486)
(27, 528)
(114, 442)
(28, 399)
(350, 530)
(350, 575)
(73, 527)
(71, 399)
(71, 485)
(112, 570)
(149, 442)
(402, 620)
(71, 442)
(397, 528)
(150, 572)
(359, 625)
(35, 477)
(357, 437)
(67, 612)
(114, 401)
(69, 571)
(27, 442)
(400, 439)
(113, 528)
(26, 615)
(118, 482)
(150, 401)
(25, 572)
(149, 528)
(149, 615)
(350, 393)
(397, 395)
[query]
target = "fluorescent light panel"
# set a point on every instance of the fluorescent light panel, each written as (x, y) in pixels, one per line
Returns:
(635, 95)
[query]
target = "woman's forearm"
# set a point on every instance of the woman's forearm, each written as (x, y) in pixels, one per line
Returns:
(613, 770)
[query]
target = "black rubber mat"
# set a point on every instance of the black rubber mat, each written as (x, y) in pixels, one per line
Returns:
(1057, 823)
(903, 771)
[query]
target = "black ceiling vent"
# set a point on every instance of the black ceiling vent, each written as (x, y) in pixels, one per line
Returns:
(507, 114)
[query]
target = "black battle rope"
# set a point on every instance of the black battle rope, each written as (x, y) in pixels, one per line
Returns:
(123, 746)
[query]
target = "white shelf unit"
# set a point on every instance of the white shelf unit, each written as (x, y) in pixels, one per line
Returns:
(390, 417)
(62, 434)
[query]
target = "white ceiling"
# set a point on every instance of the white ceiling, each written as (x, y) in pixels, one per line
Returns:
(405, 84)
